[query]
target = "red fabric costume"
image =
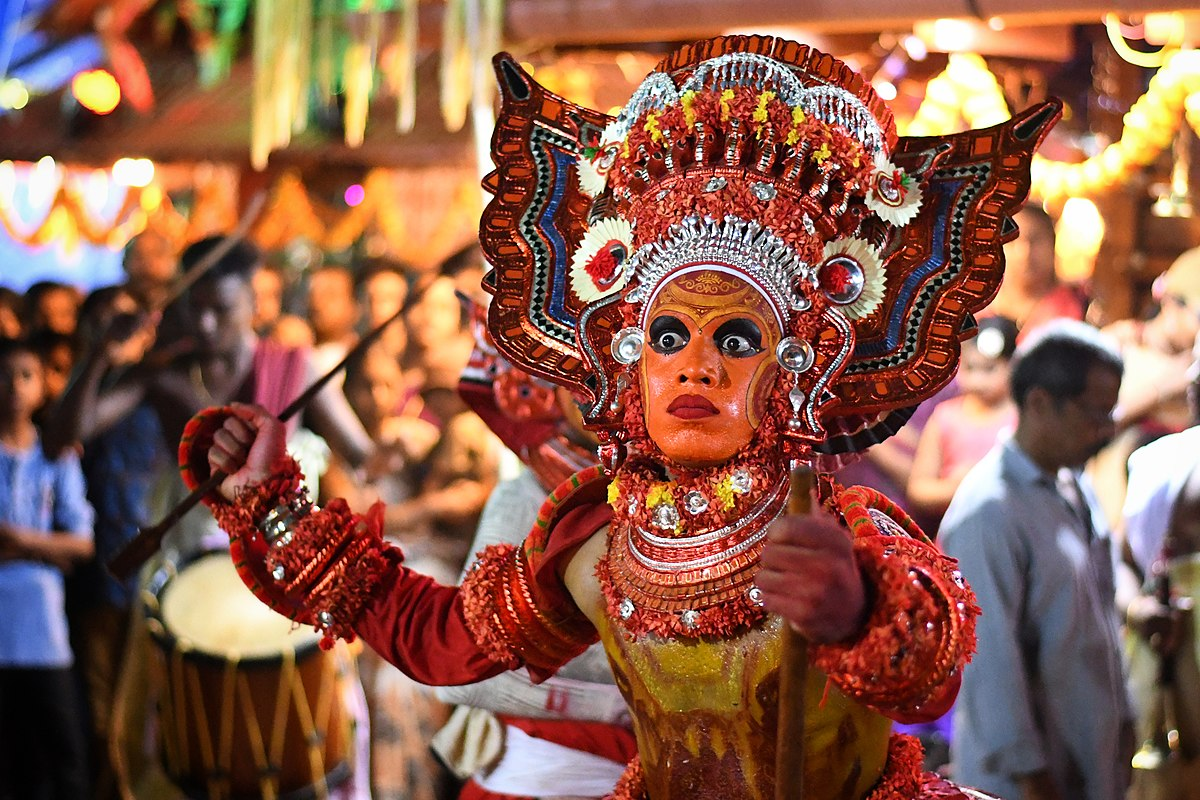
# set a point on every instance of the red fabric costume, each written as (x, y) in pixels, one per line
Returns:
(751, 229)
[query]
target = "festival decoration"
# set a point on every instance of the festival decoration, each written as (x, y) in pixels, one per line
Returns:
(423, 222)
(969, 92)
(68, 219)
(308, 53)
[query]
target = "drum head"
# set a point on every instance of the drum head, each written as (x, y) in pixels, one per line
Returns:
(207, 608)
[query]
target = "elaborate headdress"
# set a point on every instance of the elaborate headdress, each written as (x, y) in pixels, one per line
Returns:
(783, 164)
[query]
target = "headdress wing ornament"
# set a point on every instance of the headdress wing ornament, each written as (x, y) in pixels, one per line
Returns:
(781, 162)
(947, 264)
(534, 224)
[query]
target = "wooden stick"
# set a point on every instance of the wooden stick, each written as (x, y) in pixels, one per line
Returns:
(793, 672)
(209, 259)
(148, 540)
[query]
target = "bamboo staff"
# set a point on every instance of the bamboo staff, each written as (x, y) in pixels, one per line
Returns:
(793, 671)
(149, 540)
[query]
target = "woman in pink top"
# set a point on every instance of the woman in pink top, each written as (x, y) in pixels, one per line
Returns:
(962, 429)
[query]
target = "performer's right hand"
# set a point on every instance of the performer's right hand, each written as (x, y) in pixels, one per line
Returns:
(246, 447)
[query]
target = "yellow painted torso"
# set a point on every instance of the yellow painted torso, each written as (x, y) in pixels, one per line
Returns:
(704, 713)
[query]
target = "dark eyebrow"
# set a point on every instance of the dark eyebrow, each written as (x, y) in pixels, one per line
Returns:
(741, 326)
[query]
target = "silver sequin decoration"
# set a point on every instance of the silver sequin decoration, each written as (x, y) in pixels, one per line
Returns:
(666, 517)
(625, 608)
(278, 572)
(324, 619)
(695, 502)
(741, 481)
(755, 595)
(715, 184)
(689, 618)
(627, 345)
(794, 355)
(763, 191)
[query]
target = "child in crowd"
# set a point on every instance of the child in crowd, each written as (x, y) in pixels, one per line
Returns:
(962, 429)
(45, 528)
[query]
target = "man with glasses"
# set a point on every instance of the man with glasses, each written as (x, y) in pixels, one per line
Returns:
(1043, 712)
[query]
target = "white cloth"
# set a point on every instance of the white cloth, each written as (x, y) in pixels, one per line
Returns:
(1157, 473)
(512, 693)
(532, 766)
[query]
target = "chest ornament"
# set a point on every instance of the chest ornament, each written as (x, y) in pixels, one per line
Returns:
(683, 552)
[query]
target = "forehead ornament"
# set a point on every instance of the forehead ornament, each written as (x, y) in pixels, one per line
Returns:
(744, 245)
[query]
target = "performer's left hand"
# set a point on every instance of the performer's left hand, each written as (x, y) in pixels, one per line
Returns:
(810, 578)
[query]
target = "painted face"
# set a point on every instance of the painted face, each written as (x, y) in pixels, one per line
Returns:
(709, 365)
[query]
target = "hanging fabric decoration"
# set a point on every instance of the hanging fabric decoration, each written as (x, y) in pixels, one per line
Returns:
(358, 73)
(282, 55)
(456, 69)
(404, 66)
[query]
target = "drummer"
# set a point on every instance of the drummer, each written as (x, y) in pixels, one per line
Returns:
(222, 361)
(212, 355)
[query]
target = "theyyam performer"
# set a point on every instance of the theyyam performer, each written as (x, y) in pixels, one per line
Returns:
(744, 269)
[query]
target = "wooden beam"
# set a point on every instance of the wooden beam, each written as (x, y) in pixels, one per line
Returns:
(593, 22)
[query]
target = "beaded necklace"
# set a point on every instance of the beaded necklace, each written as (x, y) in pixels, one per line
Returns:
(683, 549)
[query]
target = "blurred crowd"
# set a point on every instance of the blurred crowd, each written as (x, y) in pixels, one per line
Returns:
(122, 369)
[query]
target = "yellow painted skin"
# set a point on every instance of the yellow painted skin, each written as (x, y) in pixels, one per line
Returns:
(702, 736)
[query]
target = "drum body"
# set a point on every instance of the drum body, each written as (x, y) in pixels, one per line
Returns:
(249, 707)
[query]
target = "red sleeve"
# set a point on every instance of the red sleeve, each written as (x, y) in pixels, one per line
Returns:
(907, 661)
(515, 601)
(418, 625)
(512, 609)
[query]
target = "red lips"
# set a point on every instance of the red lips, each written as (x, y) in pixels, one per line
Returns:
(692, 406)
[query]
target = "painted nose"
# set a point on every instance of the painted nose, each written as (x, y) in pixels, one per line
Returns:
(701, 365)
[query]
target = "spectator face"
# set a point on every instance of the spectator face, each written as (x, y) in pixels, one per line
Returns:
(387, 384)
(982, 375)
(436, 316)
(57, 310)
(268, 298)
(223, 310)
(1079, 427)
(1029, 259)
(469, 282)
(385, 293)
(57, 366)
(332, 310)
(1178, 322)
(377, 390)
(22, 385)
(151, 266)
(10, 323)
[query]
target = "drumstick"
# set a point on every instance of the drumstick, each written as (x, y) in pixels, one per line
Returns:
(793, 672)
(148, 540)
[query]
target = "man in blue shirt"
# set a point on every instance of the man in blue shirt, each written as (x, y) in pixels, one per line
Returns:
(1043, 712)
